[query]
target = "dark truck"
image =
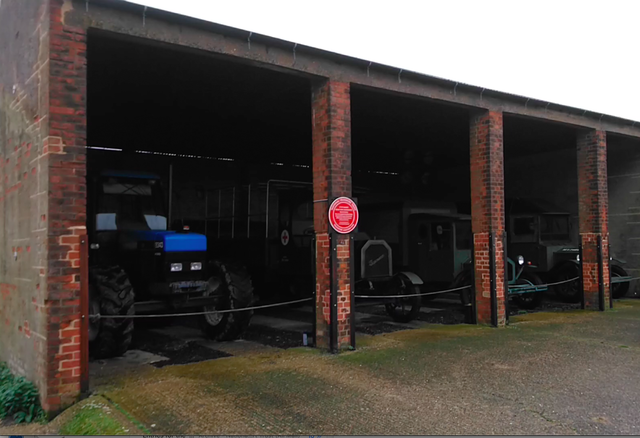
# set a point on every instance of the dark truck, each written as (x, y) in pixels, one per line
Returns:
(541, 232)
(138, 266)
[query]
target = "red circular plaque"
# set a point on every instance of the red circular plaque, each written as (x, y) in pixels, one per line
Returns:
(343, 215)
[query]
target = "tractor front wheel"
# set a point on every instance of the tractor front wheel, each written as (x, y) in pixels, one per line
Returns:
(110, 294)
(238, 293)
(403, 309)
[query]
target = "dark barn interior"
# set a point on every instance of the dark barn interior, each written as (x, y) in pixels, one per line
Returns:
(411, 146)
(146, 98)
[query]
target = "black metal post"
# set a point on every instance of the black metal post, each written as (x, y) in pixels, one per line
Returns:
(600, 275)
(333, 324)
(473, 317)
(84, 308)
(352, 306)
(506, 277)
(581, 277)
(610, 284)
(314, 260)
(492, 278)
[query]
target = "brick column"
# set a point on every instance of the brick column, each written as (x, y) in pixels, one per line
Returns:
(487, 211)
(593, 212)
(331, 112)
(65, 154)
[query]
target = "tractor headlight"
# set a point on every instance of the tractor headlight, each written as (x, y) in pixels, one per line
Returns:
(196, 266)
(176, 267)
(520, 260)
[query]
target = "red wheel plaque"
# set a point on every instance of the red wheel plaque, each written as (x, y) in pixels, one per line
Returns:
(343, 215)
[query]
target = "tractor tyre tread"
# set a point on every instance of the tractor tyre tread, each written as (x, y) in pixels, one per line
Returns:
(116, 297)
(239, 287)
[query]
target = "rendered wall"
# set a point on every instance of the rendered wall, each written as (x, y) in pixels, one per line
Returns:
(24, 107)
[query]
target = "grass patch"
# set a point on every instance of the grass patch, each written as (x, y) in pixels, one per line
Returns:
(138, 424)
(564, 317)
(94, 418)
(627, 302)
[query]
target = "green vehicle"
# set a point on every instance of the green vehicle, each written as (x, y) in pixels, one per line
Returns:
(541, 232)
(434, 242)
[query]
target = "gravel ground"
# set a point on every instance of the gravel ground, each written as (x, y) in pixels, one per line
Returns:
(572, 372)
(567, 372)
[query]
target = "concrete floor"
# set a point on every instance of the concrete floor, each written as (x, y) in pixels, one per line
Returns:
(570, 372)
(182, 342)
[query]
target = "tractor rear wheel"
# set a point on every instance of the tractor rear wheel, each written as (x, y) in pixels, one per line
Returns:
(403, 309)
(110, 294)
(619, 290)
(529, 300)
(238, 293)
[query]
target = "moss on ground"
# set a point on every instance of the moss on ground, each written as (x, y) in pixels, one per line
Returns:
(95, 416)
(300, 390)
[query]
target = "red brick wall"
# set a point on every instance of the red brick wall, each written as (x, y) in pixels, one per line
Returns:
(331, 123)
(65, 148)
(593, 211)
(487, 209)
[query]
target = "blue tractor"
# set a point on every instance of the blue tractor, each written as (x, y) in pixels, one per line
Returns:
(138, 266)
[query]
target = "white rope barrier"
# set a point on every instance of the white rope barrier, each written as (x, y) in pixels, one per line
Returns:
(414, 295)
(169, 315)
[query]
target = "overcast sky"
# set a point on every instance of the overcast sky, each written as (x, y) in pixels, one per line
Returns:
(576, 53)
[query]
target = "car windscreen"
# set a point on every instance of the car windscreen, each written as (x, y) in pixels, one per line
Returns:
(554, 228)
(523, 229)
(463, 235)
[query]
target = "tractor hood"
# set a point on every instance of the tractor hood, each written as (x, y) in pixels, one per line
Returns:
(172, 241)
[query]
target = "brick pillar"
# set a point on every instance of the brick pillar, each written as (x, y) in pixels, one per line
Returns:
(331, 109)
(65, 154)
(593, 212)
(487, 211)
